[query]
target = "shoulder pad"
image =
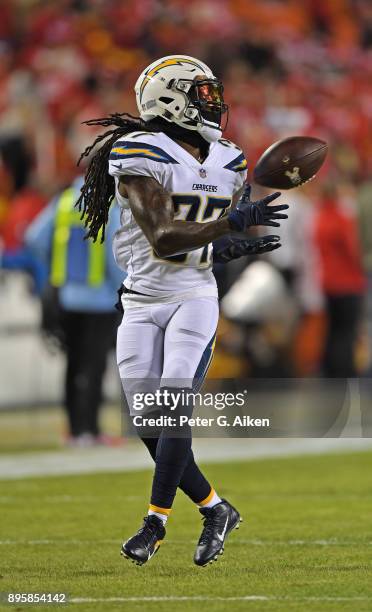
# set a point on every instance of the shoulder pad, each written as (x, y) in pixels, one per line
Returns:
(228, 143)
(139, 145)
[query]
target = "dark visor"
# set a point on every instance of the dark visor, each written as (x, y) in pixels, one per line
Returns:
(208, 94)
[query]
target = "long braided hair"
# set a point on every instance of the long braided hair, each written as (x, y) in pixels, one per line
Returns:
(98, 190)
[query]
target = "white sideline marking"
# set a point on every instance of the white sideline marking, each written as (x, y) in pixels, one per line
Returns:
(235, 541)
(171, 598)
(133, 456)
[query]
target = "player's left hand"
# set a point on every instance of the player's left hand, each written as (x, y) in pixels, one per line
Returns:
(248, 213)
(227, 248)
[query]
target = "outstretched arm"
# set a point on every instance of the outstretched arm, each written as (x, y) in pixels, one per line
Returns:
(153, 210)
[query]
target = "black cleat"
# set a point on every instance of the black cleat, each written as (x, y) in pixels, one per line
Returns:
(218, 522)
(142, 546)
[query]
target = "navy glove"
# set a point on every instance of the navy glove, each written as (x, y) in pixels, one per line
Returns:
(249, 213)
(227, 248)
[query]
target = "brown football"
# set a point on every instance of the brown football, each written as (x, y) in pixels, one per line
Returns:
(290, 162)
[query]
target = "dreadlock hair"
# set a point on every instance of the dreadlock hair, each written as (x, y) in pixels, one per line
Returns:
(98, 190)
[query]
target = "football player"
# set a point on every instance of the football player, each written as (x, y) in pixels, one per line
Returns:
(184, 206)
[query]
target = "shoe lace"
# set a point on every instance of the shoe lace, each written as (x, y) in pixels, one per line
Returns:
(210, 523)
(147, 531)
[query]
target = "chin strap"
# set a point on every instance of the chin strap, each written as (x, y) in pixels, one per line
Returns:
(175, 131)
(201, 137)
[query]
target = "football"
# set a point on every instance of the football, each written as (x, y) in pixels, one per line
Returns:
(290, 162)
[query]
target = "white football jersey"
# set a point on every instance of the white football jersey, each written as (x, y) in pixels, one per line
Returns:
(201, 192)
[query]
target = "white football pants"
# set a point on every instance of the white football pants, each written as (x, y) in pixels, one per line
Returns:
(170, 345)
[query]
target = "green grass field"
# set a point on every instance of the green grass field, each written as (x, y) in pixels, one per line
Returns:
(305, 544)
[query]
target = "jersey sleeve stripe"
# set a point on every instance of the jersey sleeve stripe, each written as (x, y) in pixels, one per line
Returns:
(125, 149)
(238, 164)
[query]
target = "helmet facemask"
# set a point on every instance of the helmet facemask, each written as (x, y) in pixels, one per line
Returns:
(204, 107)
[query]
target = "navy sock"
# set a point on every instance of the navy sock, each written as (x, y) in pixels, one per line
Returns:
(173, 456)
(193, 482)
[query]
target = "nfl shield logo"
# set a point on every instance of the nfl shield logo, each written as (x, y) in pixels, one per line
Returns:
(202, 172)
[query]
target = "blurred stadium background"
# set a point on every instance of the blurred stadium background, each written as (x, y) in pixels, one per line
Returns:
(289, 68)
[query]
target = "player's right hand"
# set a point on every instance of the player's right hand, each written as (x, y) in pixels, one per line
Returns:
(248, 213)
(228, 248)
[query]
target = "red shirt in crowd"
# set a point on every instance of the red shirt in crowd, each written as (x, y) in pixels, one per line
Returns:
(22, 210)
(336, 237)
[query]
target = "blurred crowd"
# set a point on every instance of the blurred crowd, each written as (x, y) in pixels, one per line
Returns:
(288, 68)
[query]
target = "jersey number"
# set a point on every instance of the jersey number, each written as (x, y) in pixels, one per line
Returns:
(197, 208)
